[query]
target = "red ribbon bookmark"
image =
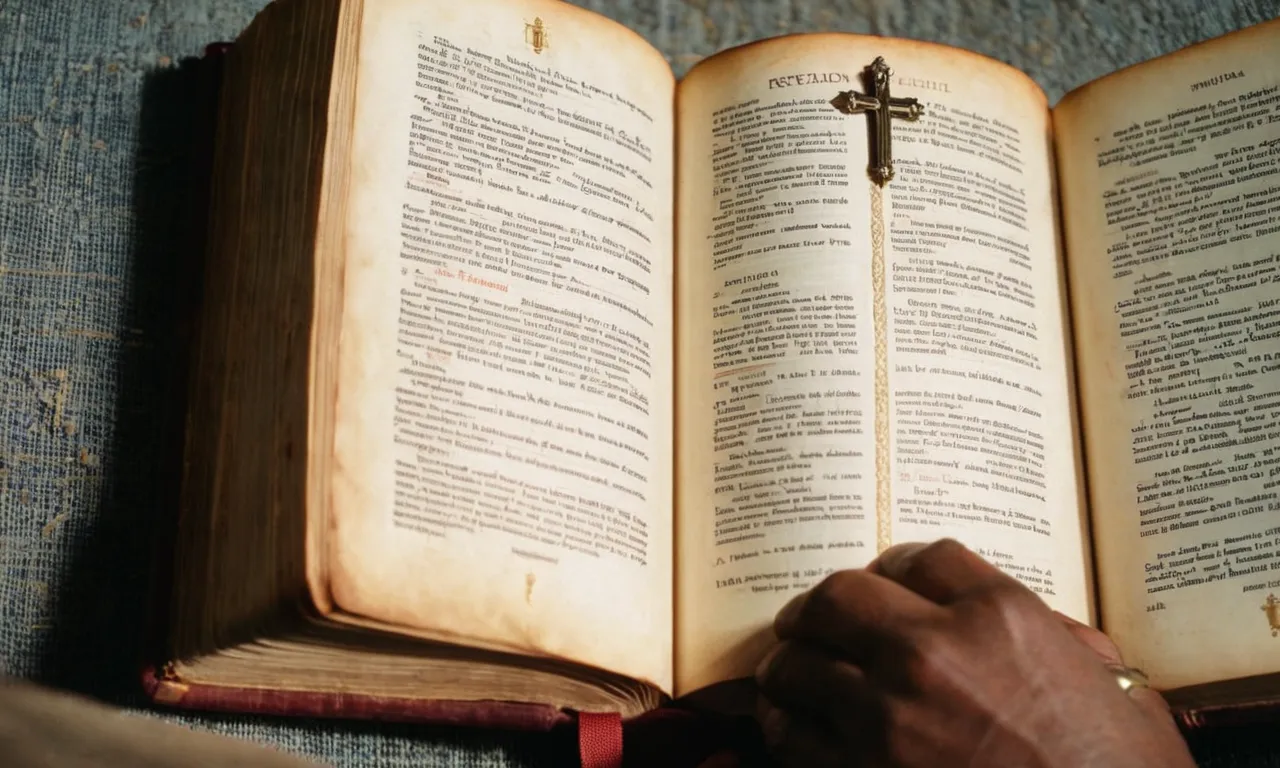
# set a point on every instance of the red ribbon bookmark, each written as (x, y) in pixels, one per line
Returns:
(600, 739)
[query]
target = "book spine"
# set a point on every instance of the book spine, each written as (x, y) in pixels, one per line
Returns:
(201, 80)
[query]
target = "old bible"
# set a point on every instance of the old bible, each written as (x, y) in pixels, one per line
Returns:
(531, 380)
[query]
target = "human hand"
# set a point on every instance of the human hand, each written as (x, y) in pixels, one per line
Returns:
(933, 657)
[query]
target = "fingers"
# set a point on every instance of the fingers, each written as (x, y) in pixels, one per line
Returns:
(1100, 644)
(798, 740)
(1153, 705)
(944, 571)
(852, 613)
(812, 689)
(802, 677)
(1148, 701)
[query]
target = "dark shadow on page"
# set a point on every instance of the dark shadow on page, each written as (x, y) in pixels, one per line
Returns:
(104, 611)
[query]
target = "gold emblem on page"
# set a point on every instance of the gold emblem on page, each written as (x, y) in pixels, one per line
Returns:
(1272, 609)
(536, 35)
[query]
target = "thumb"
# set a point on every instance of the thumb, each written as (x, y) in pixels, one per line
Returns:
(1149, 701)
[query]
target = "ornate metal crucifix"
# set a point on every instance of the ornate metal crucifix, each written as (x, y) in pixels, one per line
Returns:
(881, 108)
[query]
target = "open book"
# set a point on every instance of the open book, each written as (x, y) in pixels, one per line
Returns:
(529, 375)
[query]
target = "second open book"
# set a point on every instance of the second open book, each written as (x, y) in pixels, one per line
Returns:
(531, 375)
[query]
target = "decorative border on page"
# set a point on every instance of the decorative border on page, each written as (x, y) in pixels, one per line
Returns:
(880, 320)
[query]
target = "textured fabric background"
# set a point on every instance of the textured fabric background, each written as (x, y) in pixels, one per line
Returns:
(93, 126)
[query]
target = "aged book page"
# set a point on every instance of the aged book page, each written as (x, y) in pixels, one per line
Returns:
(846, 383)
(503, 424)
(1171, 190)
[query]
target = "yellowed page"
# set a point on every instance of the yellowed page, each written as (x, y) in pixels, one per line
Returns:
(503, 420)
(816, 428)
(1171, 190)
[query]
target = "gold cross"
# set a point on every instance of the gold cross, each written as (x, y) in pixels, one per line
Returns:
(881, 108)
